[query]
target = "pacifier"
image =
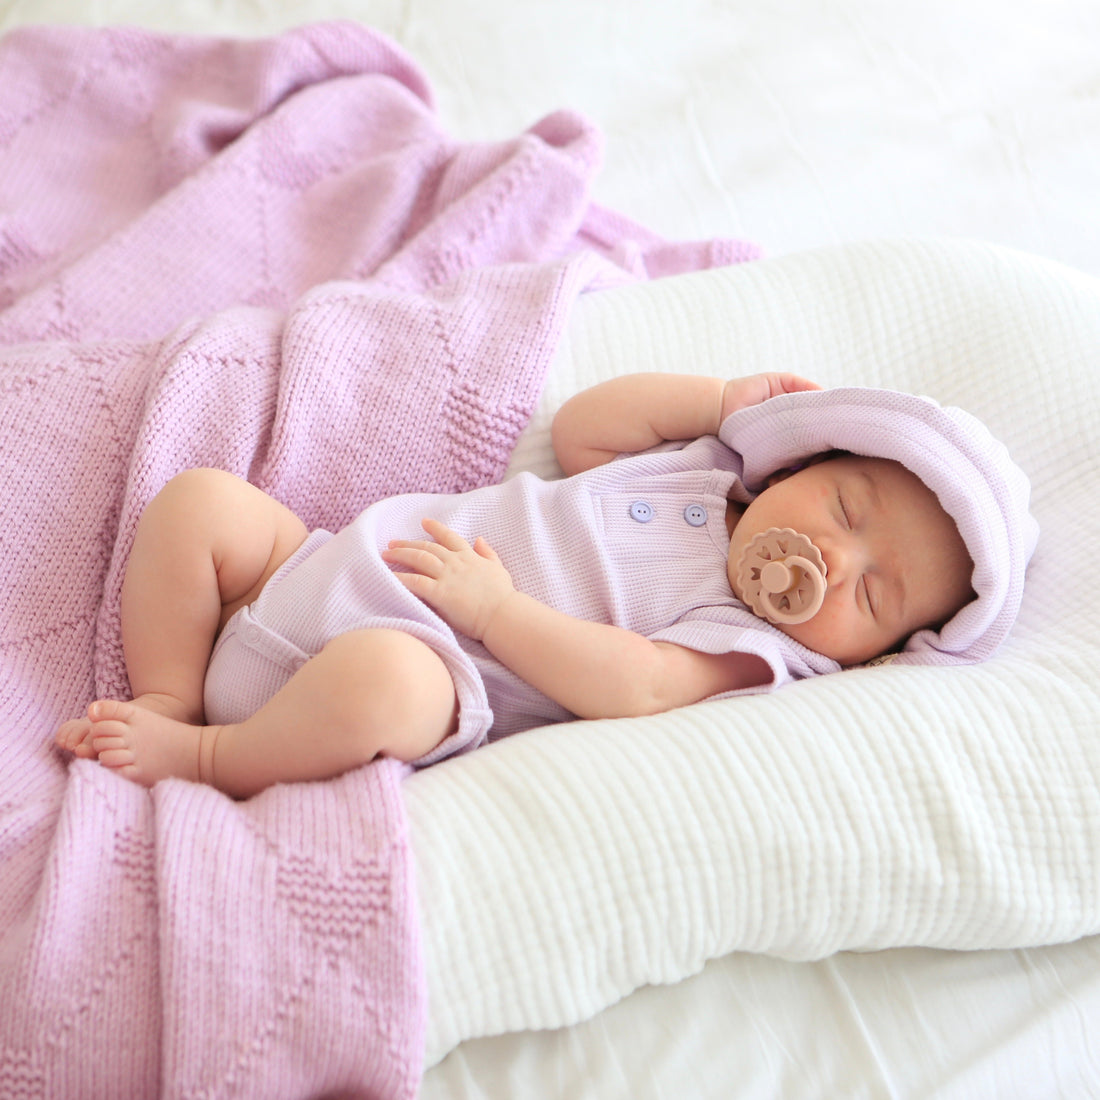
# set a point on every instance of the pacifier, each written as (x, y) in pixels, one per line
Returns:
(782, 576)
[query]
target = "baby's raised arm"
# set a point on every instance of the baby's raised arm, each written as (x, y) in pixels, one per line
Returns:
(636, 411)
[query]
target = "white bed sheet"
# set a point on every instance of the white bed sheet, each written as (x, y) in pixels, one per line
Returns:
(903, 1023)
(795, 124)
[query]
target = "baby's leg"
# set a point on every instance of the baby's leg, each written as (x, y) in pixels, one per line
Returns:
(204, 547)
(367, 692)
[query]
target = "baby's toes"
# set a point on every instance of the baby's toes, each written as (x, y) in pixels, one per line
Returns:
(118, 760)
(111, 710)
(113, 751)
(72, 735)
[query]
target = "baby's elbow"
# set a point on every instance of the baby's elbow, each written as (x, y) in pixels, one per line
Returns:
(629, 701)
(563, 439)
(682, 676)
(654, 689)
(631, 686)
(572, 439)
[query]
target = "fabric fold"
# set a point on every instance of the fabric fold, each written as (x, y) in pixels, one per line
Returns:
(267, 256)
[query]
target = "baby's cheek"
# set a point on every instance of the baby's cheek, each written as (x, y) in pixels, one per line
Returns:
(831, 632)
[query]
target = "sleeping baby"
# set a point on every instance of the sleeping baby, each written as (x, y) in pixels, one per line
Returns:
(714, 537)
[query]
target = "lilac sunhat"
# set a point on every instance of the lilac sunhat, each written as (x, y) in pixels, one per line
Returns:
(952, 452)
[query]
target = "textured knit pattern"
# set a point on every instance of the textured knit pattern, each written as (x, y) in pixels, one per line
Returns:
(265, 256)
(640, 543)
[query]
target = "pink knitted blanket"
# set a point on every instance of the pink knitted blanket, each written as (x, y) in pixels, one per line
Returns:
(265, 256)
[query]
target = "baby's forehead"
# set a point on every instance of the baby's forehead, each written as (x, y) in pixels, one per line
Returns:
(857, 463)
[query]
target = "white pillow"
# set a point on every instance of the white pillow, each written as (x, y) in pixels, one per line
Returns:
(957, 808)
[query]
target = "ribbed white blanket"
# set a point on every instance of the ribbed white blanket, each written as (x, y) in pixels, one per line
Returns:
(946, 807)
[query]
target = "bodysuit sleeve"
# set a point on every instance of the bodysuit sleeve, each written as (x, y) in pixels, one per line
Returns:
(736, 630)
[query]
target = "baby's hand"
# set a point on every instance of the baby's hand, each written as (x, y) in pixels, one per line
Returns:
(740, 393)
(465, 584)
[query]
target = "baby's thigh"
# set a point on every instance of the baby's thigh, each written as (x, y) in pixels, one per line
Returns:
(203, 514)
(401, 686)
(381, 689)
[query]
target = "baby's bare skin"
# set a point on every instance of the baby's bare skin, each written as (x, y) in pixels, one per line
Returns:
(205, 547)
(139, 742)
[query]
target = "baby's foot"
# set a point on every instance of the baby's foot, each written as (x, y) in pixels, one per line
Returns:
(142, 744)
(73, 735)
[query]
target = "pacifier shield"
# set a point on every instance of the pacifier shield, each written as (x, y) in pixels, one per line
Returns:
(782, 576)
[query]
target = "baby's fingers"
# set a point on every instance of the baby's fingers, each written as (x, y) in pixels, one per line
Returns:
(785, 382)
(416, 583)
(412, 544)
(442, 534)
(484, 550)
(741, 393)
(417, 556)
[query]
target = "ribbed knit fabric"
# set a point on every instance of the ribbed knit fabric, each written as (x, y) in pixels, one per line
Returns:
(265, 256)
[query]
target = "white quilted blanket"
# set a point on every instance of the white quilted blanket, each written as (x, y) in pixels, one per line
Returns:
(879, 807)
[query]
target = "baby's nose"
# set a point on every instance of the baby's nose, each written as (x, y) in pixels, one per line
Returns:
(842, 557)
(839, 558)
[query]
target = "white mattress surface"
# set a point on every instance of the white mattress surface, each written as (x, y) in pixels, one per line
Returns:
(905, 1023)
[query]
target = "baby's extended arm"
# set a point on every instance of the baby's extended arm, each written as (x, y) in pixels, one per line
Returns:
(591, 669)
(636, 411)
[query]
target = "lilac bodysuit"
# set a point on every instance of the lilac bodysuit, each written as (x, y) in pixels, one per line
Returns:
(640, 542)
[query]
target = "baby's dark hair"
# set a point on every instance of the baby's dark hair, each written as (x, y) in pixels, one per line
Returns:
(812, 460)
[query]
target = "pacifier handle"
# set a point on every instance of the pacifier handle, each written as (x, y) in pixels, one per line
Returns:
(782, 576)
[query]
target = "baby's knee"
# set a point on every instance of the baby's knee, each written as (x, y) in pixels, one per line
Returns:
(202, 486)
(407, 686)
(187, 498)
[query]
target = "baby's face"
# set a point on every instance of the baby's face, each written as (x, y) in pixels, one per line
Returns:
(896, 562)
